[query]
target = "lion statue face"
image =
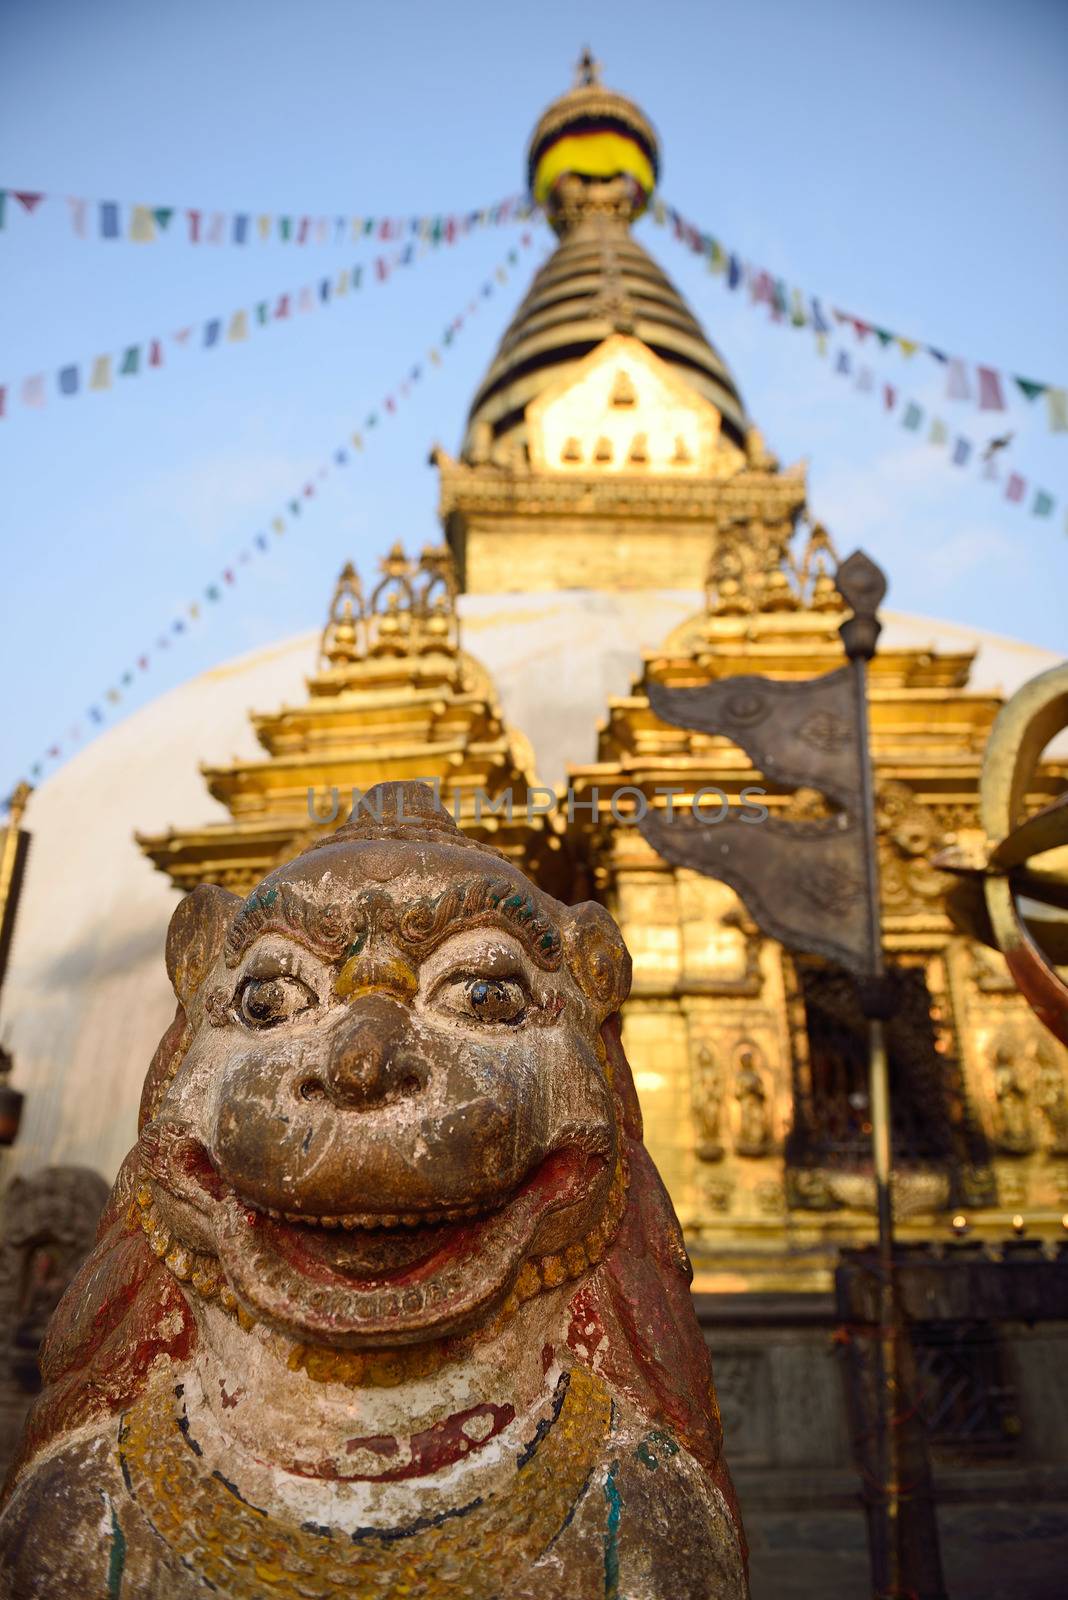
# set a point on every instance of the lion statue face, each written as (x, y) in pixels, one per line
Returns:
(393, 1115)
(388, 1261)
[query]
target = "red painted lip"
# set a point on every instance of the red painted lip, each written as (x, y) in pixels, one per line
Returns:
(332, 1255)
(298, 1277)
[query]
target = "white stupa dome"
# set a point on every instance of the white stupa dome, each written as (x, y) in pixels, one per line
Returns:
(86, 996)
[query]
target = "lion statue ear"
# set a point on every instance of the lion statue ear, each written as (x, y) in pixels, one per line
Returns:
(195, 936)
(194, 939)
(597, 957)
(122, 1299)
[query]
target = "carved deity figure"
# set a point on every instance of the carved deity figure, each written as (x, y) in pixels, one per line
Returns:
(1012, 1116)
(754, 1123)
(708, 1106)
(1051, 1096)
(388, 1299)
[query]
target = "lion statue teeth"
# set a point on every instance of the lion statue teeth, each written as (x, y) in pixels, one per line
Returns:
(388, 1299)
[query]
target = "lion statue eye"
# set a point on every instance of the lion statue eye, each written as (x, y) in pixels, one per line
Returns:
(494, 999)
(264, 1002)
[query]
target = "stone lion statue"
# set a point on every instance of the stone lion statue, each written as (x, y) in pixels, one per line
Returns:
(388, 1299)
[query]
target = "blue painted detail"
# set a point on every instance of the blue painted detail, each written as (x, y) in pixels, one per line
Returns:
(117, 1558)
(611, 1535)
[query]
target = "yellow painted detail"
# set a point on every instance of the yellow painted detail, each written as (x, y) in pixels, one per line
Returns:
(372, 975)
(593, 155)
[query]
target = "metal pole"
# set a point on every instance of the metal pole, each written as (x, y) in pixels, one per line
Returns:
(903, 1532)
(887, 1574)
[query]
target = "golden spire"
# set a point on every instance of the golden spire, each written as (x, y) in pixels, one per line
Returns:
(588, 70)
(343, 637)
(593, 152)
(410, 611)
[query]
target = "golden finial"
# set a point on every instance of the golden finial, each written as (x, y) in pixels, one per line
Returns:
(437, 599)
(341, 642)
(593, 153)
(588, 70)
(16, 803)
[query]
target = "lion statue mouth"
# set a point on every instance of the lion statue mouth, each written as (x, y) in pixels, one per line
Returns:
(376, 1278)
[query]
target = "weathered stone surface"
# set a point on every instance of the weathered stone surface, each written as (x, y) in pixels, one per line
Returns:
(388, 1299)
(48, 1226)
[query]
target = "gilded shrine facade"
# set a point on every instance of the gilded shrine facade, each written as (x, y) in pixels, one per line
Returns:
(608, 451)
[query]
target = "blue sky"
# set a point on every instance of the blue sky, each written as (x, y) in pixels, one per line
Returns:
(902, 159)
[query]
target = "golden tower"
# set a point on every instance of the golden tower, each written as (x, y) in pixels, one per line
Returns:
(608, 454)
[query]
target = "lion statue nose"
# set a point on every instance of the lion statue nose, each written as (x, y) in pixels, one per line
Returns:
(371, 1056)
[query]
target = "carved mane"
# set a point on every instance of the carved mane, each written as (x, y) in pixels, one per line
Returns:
(123, 1311)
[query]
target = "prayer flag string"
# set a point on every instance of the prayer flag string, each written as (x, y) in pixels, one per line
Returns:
(104, 371)
(137, 223)
(984, 386)
(285, 519)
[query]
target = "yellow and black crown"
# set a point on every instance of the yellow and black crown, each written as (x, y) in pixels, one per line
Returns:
(592, 150)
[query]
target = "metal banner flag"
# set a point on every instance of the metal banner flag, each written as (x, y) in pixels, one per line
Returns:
(807, 884)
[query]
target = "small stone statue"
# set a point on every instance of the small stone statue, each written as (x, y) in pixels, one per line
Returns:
(388, 1299)
(1012, 1120)
(754, 1130)
(1051, 1096)
(708, 1106)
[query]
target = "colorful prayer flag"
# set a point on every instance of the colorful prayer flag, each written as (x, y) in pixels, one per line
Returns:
(957, 385)
(990, 395)
(142, 225)
(961, 451)
(1057, 410)
(1043, 504)
(1029, 389)
(1014, 489)
(33, 391)
(68, 380)
(78, 215)
(238, 328)
(212, 329)
(938, 433)
(100, 377)
(131, 361)
(109, 219)
(913, 416)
